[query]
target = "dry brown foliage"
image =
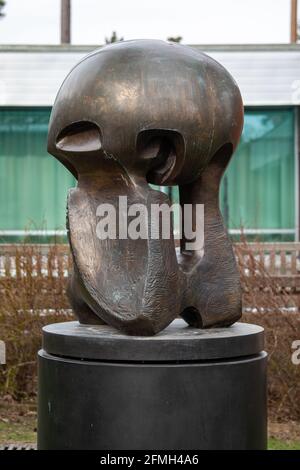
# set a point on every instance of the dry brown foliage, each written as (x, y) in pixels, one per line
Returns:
(266, 302)
(34, 295)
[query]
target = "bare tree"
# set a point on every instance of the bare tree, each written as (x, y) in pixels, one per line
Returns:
(175, 38)
(2, 5)
(113, 38)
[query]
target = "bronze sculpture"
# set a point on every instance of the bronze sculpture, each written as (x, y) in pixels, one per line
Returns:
(134, 113)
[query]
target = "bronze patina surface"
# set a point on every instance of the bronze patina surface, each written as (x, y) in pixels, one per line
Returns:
(130, 114)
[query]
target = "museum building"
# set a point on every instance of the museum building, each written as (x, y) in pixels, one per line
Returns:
(260, 190)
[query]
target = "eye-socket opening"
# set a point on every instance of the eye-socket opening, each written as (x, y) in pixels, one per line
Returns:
(78, 137)
(164, 149)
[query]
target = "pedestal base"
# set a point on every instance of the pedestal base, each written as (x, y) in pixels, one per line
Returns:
(182, 389)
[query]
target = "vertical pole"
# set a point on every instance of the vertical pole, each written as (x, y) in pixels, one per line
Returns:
(297, 172)
(225, 202)
(294, 26)
(65, 22)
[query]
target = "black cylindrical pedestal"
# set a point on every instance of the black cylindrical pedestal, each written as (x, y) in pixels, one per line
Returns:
(182, 389)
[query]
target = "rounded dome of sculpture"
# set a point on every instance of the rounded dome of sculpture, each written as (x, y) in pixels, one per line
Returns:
(137, 94)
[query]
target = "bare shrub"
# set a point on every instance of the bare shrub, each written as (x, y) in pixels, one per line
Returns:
(32, 289)
(267, 302)
(33, 294)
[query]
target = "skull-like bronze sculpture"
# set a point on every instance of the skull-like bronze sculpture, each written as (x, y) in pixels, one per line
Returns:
(134, 113)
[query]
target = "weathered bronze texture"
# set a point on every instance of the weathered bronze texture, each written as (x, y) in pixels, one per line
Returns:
(134, 113)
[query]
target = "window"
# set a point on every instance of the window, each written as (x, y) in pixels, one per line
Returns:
(33, 185)
(258, 189)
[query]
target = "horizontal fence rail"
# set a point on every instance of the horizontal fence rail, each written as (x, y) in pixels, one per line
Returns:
(41, 259)
(281, 261)
(278, 259)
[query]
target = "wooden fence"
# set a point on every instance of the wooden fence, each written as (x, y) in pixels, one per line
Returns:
(280, 260)
(41, 259)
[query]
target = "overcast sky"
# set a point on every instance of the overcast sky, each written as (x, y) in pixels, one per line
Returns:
(198, 21)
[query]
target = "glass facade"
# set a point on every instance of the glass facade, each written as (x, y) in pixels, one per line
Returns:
(33, 185)
(257, 194)
(258, 189)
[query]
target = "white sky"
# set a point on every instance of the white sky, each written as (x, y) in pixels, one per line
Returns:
(198, 21)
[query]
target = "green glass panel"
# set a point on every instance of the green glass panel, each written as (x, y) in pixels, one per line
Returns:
(258, 189)
(33, 185)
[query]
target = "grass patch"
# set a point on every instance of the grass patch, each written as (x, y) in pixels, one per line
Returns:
(277, 444)
(17, 423)
(24, 432)
(17, 433)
